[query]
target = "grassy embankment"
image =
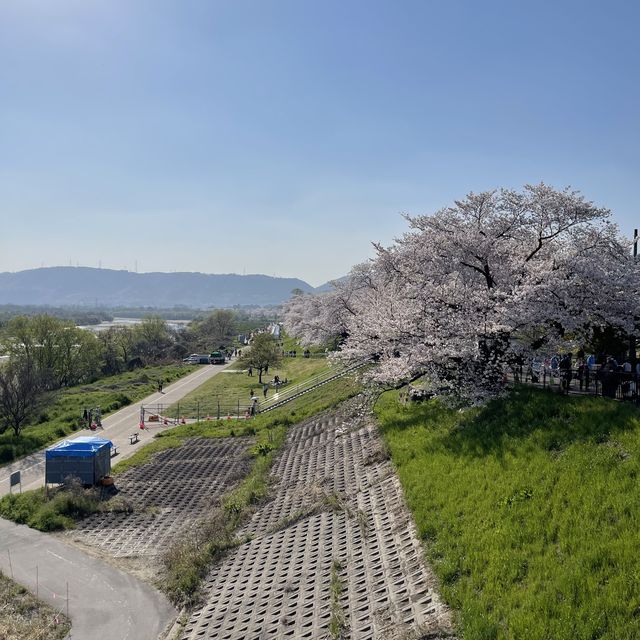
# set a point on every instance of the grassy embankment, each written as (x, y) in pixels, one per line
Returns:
(62, 415)
(232, 388)
(530, 511)
(23, 617)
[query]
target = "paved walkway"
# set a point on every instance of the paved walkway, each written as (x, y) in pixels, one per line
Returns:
(103, 601)
(117, 427)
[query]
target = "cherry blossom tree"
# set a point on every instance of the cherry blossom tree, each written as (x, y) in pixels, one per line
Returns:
(473, 288)
(324, 318)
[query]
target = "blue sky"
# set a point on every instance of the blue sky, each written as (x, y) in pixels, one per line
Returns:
(283, 137)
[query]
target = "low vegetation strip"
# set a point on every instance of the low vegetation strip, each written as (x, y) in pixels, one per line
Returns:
(529, 510)
(23, 617)
(57, 509)
(188, 561)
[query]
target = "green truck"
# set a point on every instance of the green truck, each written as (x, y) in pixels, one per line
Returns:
(217, 357)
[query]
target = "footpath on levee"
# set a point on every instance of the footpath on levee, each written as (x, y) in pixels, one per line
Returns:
(117, 427)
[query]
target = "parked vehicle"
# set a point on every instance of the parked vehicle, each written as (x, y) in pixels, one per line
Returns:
(217, 357)
(197, 358)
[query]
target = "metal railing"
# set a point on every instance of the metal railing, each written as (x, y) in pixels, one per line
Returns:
(291, 393)
(172, 414)
(597, 381)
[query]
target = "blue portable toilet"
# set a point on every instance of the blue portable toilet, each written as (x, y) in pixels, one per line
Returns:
(87, 458)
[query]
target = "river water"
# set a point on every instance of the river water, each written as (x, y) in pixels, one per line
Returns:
(131, 322)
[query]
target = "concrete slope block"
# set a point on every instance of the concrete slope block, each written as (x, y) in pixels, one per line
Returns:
(334, 554)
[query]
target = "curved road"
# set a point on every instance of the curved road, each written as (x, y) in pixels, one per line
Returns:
(103, 601)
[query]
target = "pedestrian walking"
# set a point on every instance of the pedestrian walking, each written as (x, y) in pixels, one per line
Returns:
(265, 388)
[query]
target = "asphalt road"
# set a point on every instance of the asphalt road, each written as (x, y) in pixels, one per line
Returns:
(117, 427)
(103, 601)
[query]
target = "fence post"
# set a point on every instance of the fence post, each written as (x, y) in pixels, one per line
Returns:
(198, 418)
(238, 414)
(218, 415)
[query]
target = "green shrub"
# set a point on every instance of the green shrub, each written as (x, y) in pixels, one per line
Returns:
(58, 509)
(47, 519)
(20, 507)
(263, 448)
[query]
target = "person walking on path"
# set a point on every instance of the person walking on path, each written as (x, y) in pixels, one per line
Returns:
(265, 388)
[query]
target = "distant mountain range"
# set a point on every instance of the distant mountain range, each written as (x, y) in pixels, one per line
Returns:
(62, 286)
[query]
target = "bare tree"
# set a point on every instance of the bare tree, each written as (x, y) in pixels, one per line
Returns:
(20, 396)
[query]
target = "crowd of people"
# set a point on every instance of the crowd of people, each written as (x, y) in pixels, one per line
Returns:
(602, 374)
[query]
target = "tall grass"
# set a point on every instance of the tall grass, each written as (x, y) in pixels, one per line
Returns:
(529, 509)
(23, 617)
(59, 508)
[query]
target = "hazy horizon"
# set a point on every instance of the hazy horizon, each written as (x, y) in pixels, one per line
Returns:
(283, 138)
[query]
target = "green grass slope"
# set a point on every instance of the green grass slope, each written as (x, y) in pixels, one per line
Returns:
(233, 388)
(529, 509)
